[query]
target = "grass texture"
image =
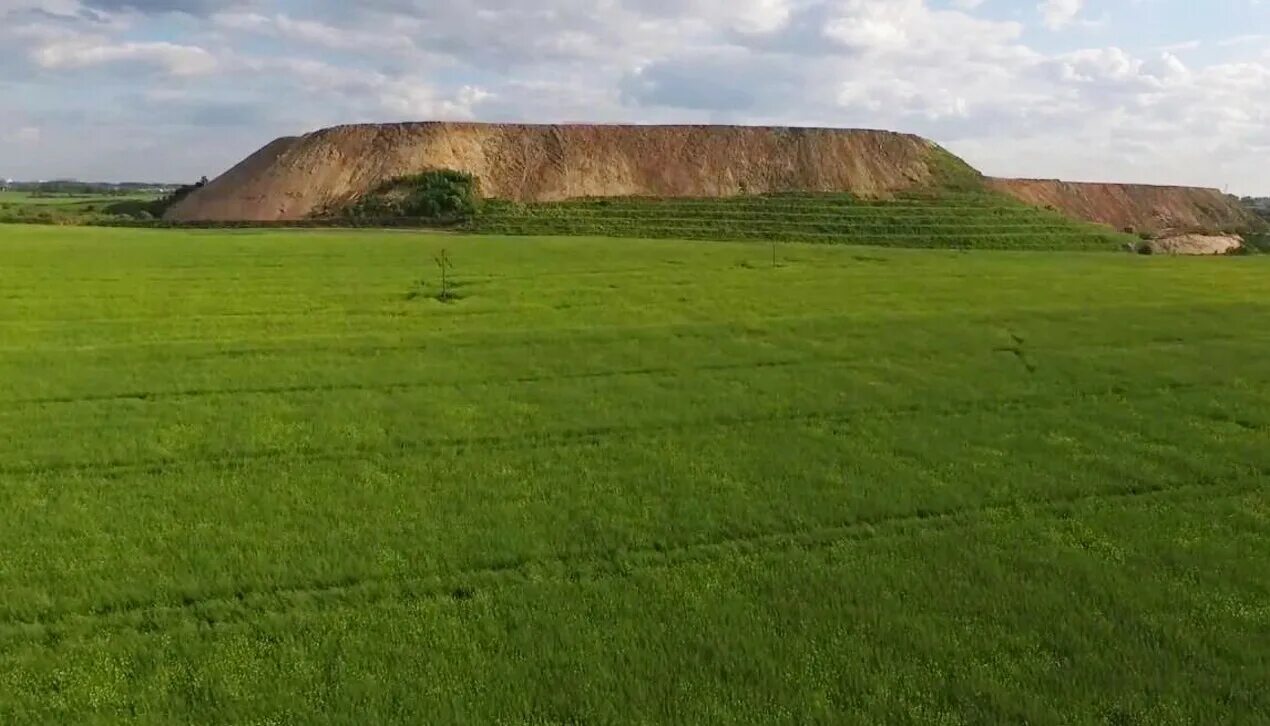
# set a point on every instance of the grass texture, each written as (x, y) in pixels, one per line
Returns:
(268, 477)
(944, 219)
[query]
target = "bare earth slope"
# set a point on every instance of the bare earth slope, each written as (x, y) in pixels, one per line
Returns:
(1140, 207)
(293, 178)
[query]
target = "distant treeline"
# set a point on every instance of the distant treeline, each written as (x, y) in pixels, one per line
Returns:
(1260, 205)
(79, 188)
(73, 203)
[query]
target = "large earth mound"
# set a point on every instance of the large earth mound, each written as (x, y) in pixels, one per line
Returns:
(296, 178)
(1135, 207)
(293, 178)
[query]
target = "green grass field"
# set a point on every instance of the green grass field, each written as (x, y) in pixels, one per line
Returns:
(266, 478)
(67, 200)
(62, 208)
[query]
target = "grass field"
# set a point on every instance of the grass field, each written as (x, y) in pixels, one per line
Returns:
(63, 208)
(257, 477)
(67, 200)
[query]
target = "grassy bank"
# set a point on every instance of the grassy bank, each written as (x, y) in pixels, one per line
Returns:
(955, 220)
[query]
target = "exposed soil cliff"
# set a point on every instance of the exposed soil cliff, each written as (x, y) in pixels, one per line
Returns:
(1136, 207)
(293, 178)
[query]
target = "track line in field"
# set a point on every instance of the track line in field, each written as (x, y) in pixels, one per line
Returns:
(332, 313)
(586, 435)
(443, 345)
(507, 337)
(494, 442)
(245, 603)
(451, 339)
(852, 362)
(412, 385)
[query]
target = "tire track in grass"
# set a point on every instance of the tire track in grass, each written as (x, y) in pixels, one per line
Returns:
(505, 338)
(243, 604)
(28, 325)
(413, 385)
(841, 361)
(588, 435)
(86, 300)
(771, 323)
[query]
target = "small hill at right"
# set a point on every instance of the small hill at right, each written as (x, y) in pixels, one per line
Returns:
(1144, 208)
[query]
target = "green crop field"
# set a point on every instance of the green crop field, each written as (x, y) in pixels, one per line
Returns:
(27, 199)
(268, 477)
(63, 208)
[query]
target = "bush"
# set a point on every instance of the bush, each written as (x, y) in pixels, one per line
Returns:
(1257, 244)
(153, 209)
(160, 207)
(442, 195)
(135, 208)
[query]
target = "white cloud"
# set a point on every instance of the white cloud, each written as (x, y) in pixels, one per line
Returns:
(23, 136)
(90, 52)
(313, 32)
(761, 16)
(1058, 14)
(368, 95)
(53, 7)
(1172, 113)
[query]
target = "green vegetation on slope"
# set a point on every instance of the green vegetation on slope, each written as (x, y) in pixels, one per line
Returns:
(952, 173)
(1257, 242)
(253, 477)
(439, 196)
(933, 219)
(957, 215)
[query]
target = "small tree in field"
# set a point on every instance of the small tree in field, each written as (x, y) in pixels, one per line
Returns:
(445, 265)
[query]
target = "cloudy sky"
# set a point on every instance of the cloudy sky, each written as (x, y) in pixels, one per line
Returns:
(1164, 91)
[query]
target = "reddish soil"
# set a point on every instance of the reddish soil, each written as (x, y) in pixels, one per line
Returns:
(1136, 207)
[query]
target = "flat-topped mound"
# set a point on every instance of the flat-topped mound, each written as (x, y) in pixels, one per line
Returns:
(294, 178)
(326, 172)
(1138, 207)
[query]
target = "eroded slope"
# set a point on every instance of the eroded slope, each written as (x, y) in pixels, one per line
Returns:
(297, 177)
(1137, 207)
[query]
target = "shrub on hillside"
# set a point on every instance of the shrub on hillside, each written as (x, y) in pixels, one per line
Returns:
(1257, 243)
(153, 209)
(134, 208)
(441, 195)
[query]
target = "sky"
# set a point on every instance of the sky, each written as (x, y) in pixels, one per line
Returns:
(1153, 91)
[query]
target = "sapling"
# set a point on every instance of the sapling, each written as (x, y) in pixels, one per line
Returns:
(445, 265)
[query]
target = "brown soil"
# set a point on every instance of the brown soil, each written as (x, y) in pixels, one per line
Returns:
(293, 178)
(1135, 207)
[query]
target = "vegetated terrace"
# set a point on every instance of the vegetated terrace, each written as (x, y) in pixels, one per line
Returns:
(950, 220)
